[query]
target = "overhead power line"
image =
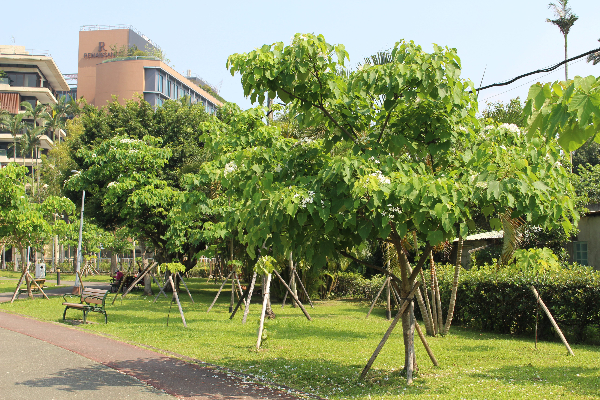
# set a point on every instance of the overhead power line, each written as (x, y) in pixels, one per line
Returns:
(549, 69)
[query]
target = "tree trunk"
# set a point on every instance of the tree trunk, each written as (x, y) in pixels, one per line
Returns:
(293, 280)
(457, 267)
(438, 301)
(113, 263)
(425, 308)
(147, 277)
(14, 258)
(24, 267)
(433, 306)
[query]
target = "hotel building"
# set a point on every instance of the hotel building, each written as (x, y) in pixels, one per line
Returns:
(32, 78)
(102, 73)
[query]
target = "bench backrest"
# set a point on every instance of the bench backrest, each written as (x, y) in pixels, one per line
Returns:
(93, 296)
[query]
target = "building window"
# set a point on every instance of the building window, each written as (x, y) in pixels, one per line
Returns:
(168, 89)
(159, 85)
(24, 80)
(159, 102)
(580, 253)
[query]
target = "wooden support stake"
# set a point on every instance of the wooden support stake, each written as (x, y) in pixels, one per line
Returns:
(249, 297)
(139, 278)
(554, 324)
(159, 285)
(162, 290)
(38, 286)
(377, 297)
(186, 288)
(292, 295)
(425, 344)
(119, 289)
(239, 303)
(219, 292)
(303, 288)
(405, 304)
(177, 299)
(261, 327)
(18, 287)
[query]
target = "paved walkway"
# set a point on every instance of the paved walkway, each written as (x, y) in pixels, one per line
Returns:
(55, 361)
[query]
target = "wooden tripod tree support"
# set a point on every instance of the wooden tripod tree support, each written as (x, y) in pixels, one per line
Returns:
(139, 278)
(377, 296)
(219, 292)
(27, 276)
(295, 274)
(292, 295)
(401, 311)
(554, 324)
(247, 308)
(266, 295)
(176, 298)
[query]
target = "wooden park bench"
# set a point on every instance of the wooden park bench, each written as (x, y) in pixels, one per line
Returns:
(90, 300)
(40, 282)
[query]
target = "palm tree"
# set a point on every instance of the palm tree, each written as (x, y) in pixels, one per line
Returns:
(564, 20)
(30, 142)
(15, 125)
(56, 117)
(594, 58)
(37, 112)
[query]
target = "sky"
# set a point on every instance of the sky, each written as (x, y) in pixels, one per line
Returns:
(496, 41)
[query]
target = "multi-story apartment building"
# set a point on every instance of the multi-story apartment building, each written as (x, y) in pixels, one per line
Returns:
(104, 71)
(32, 78)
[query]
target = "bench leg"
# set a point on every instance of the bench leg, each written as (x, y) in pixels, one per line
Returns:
(65, 312)
(105, 317)
(84, 315)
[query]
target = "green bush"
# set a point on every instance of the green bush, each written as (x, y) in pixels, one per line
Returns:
(354, 285)
(502, 301)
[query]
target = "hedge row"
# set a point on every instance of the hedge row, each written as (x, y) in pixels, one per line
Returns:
(501, 301)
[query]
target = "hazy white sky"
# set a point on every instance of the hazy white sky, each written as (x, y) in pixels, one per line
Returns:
(504, 38)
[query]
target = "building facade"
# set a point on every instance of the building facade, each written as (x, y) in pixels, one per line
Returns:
(106, 71)
(32, 78)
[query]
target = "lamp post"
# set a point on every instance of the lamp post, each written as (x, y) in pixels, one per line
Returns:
(76, 287)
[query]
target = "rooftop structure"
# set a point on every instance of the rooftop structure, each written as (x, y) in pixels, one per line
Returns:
(28, 77)
(123, 63)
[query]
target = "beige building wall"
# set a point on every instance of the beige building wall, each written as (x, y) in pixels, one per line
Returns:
(95, 47)
(124, 79)
(589, 231)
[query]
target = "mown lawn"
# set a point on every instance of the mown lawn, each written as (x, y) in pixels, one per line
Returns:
(325, 356)
(9, 285)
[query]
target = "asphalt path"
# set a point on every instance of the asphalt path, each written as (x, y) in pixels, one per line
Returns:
(57, 361)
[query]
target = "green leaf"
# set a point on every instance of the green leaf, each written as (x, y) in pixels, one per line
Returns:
(582, 102)
(495, 224)
(364, 229)
(301, 217)
(493, 190)
(435, 237)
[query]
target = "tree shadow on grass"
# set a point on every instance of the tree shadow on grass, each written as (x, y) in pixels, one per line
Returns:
(577, 380)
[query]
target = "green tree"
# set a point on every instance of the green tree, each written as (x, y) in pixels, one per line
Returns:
(510, 113)
(15, 125)
(401, 153)
(568, 110)
(564, 19)
(133, 159)
(25, 223)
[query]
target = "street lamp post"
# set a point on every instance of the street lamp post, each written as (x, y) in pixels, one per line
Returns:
(76, 287)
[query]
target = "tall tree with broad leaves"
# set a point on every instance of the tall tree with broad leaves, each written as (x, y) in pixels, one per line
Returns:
(402, 152)
(564, 19)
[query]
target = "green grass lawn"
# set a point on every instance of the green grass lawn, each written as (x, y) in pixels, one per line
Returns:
(326, 356)
(9, 285)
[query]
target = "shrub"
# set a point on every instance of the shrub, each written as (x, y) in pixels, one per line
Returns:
(502, 301)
